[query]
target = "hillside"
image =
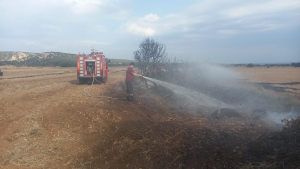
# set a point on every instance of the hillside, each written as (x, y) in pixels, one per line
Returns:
(22, 56)
(38, 59)
(47, 59)
(12, 56)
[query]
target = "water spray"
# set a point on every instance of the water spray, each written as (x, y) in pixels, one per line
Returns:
(197, 97)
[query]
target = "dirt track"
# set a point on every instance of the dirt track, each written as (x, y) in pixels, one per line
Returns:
(47, 121)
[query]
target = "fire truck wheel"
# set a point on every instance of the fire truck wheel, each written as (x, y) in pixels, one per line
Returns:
(104, 80)
(82, 81)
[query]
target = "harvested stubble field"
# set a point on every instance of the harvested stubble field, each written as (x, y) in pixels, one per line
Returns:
(285, 80)
(47, 121)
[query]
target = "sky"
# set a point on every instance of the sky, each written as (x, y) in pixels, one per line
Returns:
(222, 31)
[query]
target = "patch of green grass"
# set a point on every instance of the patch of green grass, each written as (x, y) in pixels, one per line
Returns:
(33, 132)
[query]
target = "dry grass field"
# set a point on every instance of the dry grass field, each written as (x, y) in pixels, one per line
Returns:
(270, 75)
(283, 80)
(48, 121)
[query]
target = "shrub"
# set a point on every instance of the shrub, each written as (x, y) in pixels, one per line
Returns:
(250, 65)
(296, 64)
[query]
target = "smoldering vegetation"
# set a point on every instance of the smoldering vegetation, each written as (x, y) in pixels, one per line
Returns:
(249, 128)
(227, 87)
(225, 121)
(208, 79)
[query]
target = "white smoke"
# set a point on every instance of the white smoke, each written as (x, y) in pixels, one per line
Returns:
(218, 74)
(277, 117)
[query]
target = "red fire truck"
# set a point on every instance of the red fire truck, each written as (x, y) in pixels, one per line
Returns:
(90, 66)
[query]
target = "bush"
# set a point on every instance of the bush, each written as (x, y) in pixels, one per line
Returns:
(280, 148)
(250, 65)
(296, 64)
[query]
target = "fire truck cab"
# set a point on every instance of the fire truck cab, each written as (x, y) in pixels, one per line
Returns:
(91, 66)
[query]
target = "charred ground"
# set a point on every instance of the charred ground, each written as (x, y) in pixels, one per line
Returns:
(48, 121)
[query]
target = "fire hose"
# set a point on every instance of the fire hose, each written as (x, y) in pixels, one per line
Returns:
(98, 96)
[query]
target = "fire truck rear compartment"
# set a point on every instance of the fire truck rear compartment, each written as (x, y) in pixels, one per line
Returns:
(90, 67)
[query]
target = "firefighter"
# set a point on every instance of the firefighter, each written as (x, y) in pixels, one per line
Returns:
(129, 80)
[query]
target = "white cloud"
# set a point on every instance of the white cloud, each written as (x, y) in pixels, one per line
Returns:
(271, 6)
(218, 18)
(135, 29)
(237, 12)
(152, 24)
(263, 26)
(144, 26)
(85, 6)
(150, 18)
(63, 8)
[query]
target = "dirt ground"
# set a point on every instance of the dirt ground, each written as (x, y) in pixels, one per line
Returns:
(48, 121)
